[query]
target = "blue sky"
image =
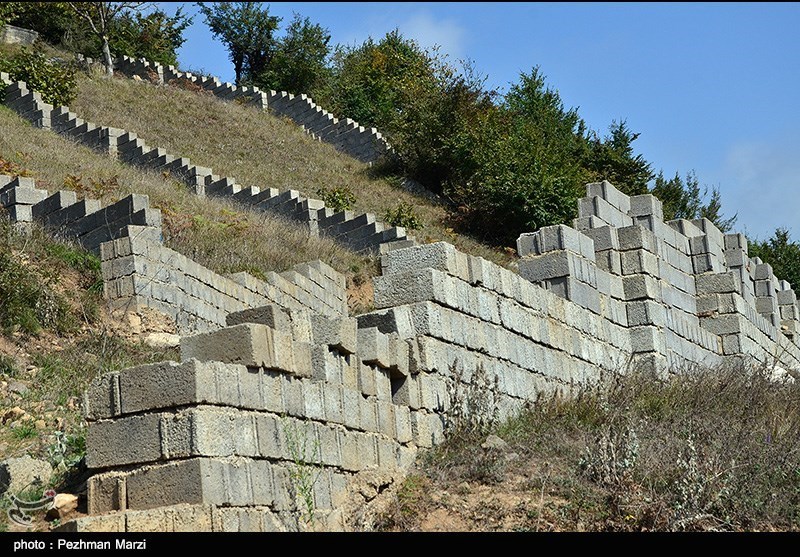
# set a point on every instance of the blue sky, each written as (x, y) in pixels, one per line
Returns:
(711, 87)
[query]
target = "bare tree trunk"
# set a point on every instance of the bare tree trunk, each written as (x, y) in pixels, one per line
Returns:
(107, 58)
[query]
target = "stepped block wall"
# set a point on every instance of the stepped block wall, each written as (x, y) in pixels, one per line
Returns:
(358, 232)
(277, 384)
(365, 144)
(688, 293)
(139, 271)
(452, 334)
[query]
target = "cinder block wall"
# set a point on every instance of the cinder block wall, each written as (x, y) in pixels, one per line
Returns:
(139, 271)
(346, 135)
(452, 334)
(688, 293)
(358, 232)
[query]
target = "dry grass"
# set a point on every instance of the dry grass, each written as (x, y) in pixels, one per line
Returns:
(710, 449)
(218, 234)
(257, 149)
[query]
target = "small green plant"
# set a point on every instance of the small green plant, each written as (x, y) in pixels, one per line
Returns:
(25, 430)
(305, 454)
(340, 198)
(403, 215)
(55, 81)
(472, 402)
(29, 301)
(81, 260)
(8, 365)
(66, 450)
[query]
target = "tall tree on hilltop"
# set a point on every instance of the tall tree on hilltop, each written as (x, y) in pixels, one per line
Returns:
(684, 199)
(100, 17)
(155, 36)
(612, 159)
(300, 61)
(248, 32)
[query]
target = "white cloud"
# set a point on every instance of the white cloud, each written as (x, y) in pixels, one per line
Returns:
(428, 32)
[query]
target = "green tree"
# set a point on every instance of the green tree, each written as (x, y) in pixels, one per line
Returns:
(375, 82)
(100, 17)
(782, 253)
(155, 36)
(55, 81)
(528, 171)
(52, 20)
(612, 158)
(300, 61)
(685, 199)
(248, 32)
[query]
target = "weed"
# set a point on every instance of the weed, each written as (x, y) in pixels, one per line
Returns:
(8, 365)
(338, 198)
(25, 430)
(306, 463)
(403, 215)
(104, 189)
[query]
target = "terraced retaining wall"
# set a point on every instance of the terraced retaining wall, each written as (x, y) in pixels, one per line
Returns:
(139, 271)
(359, 232)
(211, 443)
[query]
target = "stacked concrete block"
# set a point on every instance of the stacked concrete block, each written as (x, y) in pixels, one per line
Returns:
(18, 196)
(501, 321)
(737, 260)
(788, 310)
(562, 260)
(706, 245)
(766, 288)
(140, 272)
(227, 426)
(148, 71)
(28, 104)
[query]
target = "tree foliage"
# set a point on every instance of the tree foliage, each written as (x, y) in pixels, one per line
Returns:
(782, 253)
(155, 36)
(375, 82)
(55, 81)
(300, 61)
(248, 32)
(612, 158)
(100, 17)
(685, 199)
(52, 20)
(527, 171)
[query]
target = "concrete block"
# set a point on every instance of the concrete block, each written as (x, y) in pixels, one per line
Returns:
(248, 344)
(340, 333)
(601, 209)
(555, 238)
(610, 194)
(736, 241)
(646, 312)
(272, 316)
(645, 205)
(373, 347)
(636, 262)
(108, 442)
(639, 287)
(439, 255)
(719, 283)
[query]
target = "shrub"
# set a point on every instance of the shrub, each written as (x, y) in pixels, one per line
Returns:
(339, 198)
(28, 302)
(403, 215)
(55, 81)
